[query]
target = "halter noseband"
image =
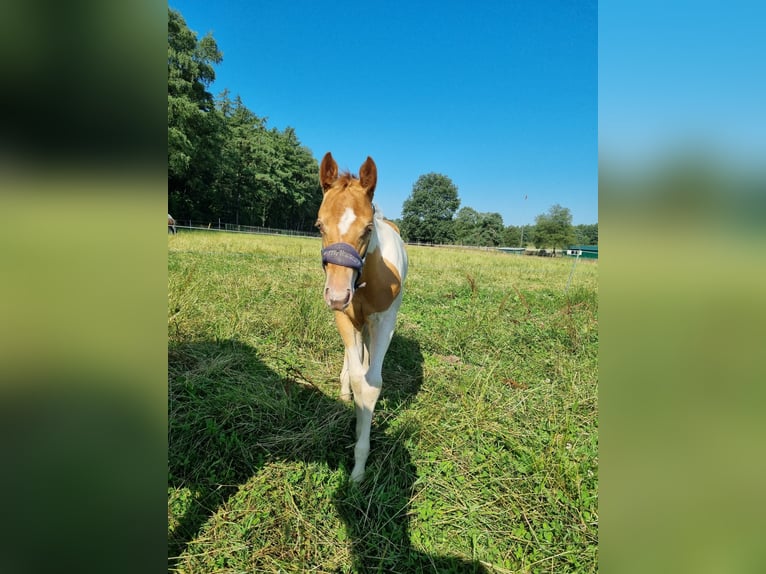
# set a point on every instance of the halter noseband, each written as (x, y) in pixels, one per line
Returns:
(344, 255)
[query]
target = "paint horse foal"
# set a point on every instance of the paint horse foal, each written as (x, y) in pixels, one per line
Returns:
(365, 266)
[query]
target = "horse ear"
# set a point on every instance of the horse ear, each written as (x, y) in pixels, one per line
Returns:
(328, 171)
(368, 176)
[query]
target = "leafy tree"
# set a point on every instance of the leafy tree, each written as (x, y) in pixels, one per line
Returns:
(300, 193)
(527, 235)
(194, 128)
(467, 226)
(223, 162)
(511, 236)
(235, 185)
(586, 234)
(266, 177)
(554, 228)
(427, 214)
(474, 228)
(491, 229)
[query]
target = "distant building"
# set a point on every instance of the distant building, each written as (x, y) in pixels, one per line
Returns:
(584, 251)
(516, 250)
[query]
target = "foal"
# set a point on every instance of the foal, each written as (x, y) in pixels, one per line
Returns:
(365, 266)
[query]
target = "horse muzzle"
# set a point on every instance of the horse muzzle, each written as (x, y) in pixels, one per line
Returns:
(342, 276)
(337, 299)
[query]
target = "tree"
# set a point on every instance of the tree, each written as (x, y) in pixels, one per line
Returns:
(195, 129)
(235, 184)
(586, 234)
(474, 228)
(223, 162)
(467, 226)
(300, 191)
(528, 235)
(554, 229)
(511, 236)
(427, 214)
(491, 229)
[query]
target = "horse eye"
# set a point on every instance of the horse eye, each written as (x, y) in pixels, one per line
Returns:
(319, 225)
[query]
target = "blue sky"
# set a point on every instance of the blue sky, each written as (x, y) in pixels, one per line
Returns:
(682, 77)
(500, 96)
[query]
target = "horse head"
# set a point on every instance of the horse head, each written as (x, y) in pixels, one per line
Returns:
(345, 221)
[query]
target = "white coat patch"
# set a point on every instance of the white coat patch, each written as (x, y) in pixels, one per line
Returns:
(345, 222)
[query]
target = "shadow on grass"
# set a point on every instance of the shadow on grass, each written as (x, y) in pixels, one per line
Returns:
(230, 415)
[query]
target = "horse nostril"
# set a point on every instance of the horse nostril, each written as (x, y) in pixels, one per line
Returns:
(338, 300)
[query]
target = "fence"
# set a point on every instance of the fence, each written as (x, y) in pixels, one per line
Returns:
(234, 228)
(453, 246)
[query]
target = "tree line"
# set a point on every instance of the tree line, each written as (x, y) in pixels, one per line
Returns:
(225, 163)
(430, 215)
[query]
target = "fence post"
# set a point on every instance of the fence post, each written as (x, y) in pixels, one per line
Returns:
(571, 272)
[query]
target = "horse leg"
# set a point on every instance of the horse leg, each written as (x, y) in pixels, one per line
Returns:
(367, 388)
(345, 384)
(365, 397)
(354, 350)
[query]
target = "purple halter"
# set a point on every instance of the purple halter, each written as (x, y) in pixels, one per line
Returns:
(344, 255)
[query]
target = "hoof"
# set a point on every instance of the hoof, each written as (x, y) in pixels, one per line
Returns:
(346, 398)
(357, 478)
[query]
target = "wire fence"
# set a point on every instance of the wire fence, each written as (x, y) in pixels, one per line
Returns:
(236, 228)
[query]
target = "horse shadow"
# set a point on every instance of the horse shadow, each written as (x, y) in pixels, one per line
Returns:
(289, 418)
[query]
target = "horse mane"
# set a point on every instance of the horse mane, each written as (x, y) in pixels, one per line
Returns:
(346, 178)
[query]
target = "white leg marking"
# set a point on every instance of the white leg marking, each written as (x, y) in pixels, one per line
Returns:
(365, 397)
(367, 388)
(346, 220)
(345, 384)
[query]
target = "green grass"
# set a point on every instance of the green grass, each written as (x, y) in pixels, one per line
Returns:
(484, 449)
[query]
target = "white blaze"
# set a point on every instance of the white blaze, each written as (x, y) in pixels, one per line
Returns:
(345, 222)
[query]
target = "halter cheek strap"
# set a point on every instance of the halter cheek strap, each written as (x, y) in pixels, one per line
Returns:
(344, 255)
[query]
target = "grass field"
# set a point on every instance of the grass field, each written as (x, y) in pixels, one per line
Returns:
(484, 450)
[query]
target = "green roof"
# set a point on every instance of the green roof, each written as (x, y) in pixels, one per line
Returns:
(584, 247)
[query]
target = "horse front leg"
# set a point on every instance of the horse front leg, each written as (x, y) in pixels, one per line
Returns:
(365, 397)
(353, 355)
(365, 392)
(345, 381)
(380, 330)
